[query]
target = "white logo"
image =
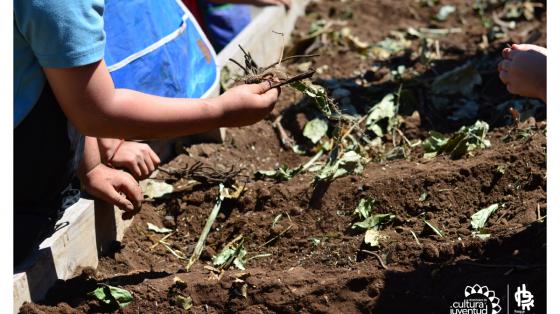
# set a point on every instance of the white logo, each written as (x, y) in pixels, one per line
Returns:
(478, 300)
(524, 298)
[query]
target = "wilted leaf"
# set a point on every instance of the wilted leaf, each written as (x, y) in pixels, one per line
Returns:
(382, 116)
(374, 222)
(444, 12)
(423, 197)
(364, 208)
(112, 295)
(284, 173)
(478, 219)
(184, 302)
(434, 228)
(467, 139)
(157, 229)
(354, 42)
(349, 162)
(318, 94)
(233, 254)
(461, 80)
(227, 193)
(153, 189)
(384, 49)
(315, 129)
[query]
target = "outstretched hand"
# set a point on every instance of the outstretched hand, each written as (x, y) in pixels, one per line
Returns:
(246, 104)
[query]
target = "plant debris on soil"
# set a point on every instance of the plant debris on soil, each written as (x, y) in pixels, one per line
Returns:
(341, 210)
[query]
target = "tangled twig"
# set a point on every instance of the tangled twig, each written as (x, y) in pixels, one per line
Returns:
(206, 175)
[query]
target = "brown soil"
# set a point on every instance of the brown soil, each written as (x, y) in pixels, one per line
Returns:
(317, 262)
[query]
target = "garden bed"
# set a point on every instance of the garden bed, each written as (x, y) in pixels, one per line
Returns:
(302, 253)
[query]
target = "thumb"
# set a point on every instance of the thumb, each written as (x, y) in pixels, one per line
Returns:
(260, 88)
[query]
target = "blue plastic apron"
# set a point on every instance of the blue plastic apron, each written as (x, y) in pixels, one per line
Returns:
(157, 47)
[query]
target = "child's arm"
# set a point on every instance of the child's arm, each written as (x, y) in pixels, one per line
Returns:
(89, 99)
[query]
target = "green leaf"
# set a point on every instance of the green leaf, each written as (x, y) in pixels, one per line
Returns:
(423, 197)
(479, 219)
(316, 242)
(461, 80)
(373, 222)
(381, 117)
(434, 228)
(157, 229)
(319, 96)
(112, 295)
(467, 139)
(315, 130)
(153, 189)
(364, 208)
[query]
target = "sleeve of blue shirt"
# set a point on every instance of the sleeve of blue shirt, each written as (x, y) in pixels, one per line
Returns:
(62, 33)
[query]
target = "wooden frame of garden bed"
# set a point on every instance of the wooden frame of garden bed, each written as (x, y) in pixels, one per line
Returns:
(89, 228)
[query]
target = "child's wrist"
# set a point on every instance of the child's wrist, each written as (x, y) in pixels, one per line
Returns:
(217, 110)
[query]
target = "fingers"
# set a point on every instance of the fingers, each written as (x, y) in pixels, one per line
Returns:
(144, 169)
(260, 88)
(127, 184)
(506, 52)
(270, 97)
(504, 65)
(154, 157)
(119, 200)
(504, 77)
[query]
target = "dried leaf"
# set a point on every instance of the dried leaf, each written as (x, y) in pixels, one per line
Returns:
(444, 12)
(153, 189)
(434, 228)
(157, 229)
(184, 302)
(373, 237)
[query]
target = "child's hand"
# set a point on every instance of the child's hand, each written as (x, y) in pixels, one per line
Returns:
(246, 104)
(523, 70)
(138, 158)
(114, 186)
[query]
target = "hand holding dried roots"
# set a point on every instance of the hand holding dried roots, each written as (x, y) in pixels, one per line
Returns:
(272, 73)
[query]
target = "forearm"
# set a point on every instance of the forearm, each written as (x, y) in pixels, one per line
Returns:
(91, 157)
(135, 115)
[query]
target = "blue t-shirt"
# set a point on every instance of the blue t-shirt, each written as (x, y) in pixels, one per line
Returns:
(52, 34)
